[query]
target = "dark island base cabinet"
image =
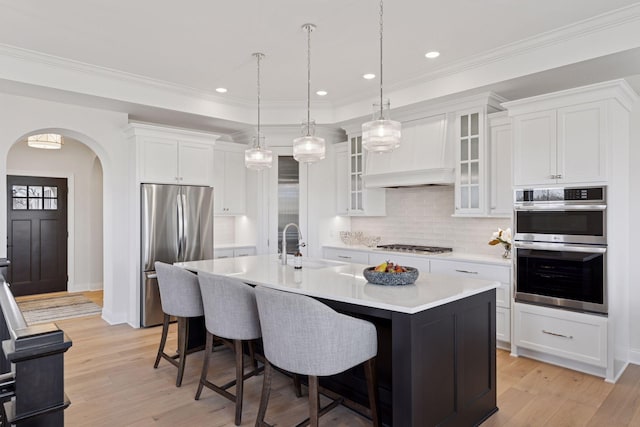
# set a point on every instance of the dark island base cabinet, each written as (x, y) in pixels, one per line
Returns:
(435, 368)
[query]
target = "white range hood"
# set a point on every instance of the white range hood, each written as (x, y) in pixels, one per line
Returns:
(424, 157)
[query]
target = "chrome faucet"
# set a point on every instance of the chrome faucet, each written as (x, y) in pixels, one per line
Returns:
(301, 244)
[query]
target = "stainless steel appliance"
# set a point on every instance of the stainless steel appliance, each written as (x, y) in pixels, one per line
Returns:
(176, 225)
(397, 247)
(560, 245)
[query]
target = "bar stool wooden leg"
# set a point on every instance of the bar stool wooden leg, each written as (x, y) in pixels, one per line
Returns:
(264, 398)
(239, 379)
(183, 333)
(314, 401)
(372, 387)
(163, 339)
(205, 364)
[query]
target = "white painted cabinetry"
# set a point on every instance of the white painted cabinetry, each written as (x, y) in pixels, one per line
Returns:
(346, 255)
(362, 201)
(229, 180)
(233, 252)
(172, 156)
(500, 165)
(498, 273)
(574, 336)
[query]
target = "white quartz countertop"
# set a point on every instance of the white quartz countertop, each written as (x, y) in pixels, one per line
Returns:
(452, 256)
(344, 282)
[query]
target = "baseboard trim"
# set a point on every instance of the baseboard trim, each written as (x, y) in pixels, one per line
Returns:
(634, 356)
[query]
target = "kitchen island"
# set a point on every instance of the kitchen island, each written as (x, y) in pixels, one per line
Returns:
(436, 338)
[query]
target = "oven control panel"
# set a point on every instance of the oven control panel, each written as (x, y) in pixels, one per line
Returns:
(556, 195)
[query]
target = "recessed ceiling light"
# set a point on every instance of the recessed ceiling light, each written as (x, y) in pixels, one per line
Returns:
(369, 76)
(321, 92)
(221, 90)
(432, 54)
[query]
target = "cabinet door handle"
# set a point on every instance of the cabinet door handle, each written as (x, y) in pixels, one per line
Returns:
(222, 256)
(557, 335)
(467, 272)
(344, 257)
(559, 176)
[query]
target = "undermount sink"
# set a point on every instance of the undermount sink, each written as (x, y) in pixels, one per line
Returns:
(314, 263)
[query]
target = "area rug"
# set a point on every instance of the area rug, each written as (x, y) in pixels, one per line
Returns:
(57, 308)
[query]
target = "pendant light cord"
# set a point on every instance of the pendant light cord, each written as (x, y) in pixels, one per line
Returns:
(381, 104)
(258, 56)
(309, 28)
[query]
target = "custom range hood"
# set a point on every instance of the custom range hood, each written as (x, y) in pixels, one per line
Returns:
(423, 158)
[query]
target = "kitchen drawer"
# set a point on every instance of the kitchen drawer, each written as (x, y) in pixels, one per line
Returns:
(346, 255)
(503, 324)
(576, 336)
(244, 251)
(421, 263)
(471, 269)
(223, 253)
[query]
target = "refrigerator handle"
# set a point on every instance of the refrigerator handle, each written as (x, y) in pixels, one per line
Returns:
(180, 227)
(185, 227)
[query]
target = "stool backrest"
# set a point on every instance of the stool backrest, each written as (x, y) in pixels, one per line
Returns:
(230, 309)
(304, 336)
(179, 291)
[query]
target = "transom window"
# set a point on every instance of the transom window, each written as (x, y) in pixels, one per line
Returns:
(34, 197)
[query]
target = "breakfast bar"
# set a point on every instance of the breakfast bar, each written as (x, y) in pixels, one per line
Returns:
(436, 360)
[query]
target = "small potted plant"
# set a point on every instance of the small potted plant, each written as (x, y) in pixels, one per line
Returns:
(503, 237)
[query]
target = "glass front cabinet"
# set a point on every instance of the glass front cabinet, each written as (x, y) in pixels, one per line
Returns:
(361, 201)
(470, 148)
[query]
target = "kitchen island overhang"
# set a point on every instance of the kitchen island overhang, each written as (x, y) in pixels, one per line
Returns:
(436, 338)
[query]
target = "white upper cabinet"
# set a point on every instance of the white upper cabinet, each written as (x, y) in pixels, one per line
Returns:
(566, 137)
(172, 156)
(342, 178)
(471, 162)
(500, 165)
(362, 201)
(230, 195)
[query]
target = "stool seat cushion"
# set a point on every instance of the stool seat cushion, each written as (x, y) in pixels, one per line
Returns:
(304, 336)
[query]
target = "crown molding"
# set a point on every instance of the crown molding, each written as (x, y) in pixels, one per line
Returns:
(283, 135)
(137, 129)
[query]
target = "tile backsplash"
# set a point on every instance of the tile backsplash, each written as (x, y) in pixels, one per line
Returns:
(224, 230)
(422, 216)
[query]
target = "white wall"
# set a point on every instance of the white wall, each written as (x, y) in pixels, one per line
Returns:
(634, 235)
(422, 216)
(102, 132)
(80, 165)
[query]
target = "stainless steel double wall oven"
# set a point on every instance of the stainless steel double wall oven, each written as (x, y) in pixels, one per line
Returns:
(560, 245)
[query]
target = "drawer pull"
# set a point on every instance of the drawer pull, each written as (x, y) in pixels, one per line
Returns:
(467, 272)
(557, 335)
(223, 256)
(344, 257)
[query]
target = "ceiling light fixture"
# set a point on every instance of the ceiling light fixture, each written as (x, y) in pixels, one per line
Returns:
(321, 93)
(308, 148)
(433, 54)
(221, 90)
(369, 76)
(47, 141)
(258, 157)
(381, 135)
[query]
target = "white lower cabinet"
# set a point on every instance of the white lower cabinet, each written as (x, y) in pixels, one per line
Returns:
(574, 336)
(346, 255)
(498, 273)
(233, 252)
(223, 253)
(238, 252)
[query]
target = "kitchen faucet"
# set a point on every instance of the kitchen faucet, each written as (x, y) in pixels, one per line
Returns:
(284, 241)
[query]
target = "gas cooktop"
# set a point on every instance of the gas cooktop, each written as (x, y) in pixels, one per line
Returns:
(396, 247)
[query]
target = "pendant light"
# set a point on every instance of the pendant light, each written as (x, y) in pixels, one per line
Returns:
(308, 148)
(47, 141)
(381, 135)
(258, 157)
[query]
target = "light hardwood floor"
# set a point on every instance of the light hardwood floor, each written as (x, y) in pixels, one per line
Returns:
(110, 380)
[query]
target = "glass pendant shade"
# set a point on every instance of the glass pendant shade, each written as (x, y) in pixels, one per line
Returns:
(47, 141)
(258, 158)
(381, 136)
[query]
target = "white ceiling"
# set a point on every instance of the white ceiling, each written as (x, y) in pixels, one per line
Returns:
(204, 44)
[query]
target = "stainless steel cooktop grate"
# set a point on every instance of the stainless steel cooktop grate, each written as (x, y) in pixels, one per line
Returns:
(397, 247)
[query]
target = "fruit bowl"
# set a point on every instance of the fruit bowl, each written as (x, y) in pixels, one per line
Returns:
(391, 279)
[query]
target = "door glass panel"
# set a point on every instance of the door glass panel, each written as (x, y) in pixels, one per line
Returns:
(359, 198)
(475, 176)
(35, 191)
(464, 150)
(50, 191)
(475, 196)
(288, 201)
(464, 126)
(19, 203)
(474, 124)
(51, 204)
(464, 197)
(464, 173)
(475, 151)
(353, 164)
(19, 191)
(35, 204)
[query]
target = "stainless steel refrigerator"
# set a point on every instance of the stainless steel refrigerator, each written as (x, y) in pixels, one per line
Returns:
(176, 225)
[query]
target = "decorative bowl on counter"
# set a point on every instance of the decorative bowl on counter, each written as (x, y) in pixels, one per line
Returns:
(391, 279)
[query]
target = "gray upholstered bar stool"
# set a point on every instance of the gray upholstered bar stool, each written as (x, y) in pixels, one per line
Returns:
(230, 313)
(180, 297)
(304, 336)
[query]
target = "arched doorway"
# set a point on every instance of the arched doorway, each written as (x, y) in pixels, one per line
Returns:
(81, 167)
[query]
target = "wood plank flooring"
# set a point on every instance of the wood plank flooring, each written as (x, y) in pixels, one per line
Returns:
(110, 380)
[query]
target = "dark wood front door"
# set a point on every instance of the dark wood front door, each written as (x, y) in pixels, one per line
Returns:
(37, 234)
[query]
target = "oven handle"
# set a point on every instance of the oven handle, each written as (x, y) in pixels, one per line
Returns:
(559, 207)
(561, 247)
